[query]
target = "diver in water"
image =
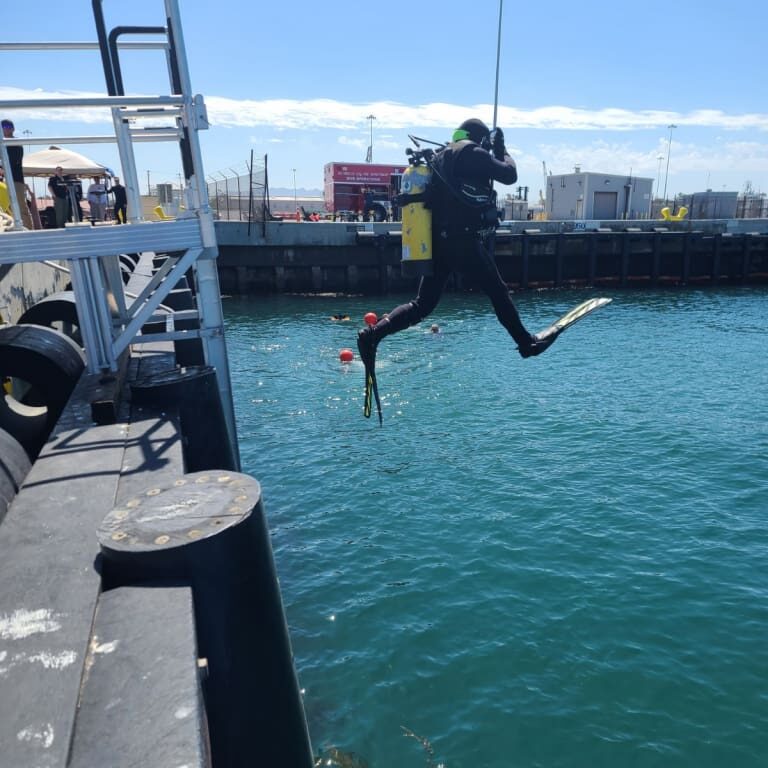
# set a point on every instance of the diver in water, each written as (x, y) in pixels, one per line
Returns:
(464, 219)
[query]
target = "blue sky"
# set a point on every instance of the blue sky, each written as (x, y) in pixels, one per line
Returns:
(593, 84)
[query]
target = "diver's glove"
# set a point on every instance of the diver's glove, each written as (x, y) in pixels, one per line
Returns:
(497, 144)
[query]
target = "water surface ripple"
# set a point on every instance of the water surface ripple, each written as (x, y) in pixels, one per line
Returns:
(552, 562)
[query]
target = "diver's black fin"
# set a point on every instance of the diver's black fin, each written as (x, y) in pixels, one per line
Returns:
(543, 339)
(574, 315)
(367, 349)
(372, 387)
(368, 395)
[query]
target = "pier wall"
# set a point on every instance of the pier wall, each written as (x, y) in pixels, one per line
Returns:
(303, 257)
(141, 621)
(23, 285)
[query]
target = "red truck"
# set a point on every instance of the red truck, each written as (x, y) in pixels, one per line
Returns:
(366, 190)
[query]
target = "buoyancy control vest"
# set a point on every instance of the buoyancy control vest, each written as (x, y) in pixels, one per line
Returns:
(460, 203)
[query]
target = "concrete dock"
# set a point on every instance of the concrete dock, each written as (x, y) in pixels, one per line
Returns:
(141, 621)
(293, 257)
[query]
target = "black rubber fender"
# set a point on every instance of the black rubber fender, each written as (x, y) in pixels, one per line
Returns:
(51, 364)
(127, 266)
(194, 391)
(57, 311)
(14, 467)
(129, 259)
(179, 298)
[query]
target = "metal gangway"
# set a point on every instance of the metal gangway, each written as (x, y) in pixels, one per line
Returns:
(110, 319)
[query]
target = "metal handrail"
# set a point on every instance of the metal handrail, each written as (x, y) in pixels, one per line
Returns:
(92, 252)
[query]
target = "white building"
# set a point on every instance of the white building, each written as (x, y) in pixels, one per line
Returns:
(599, 196)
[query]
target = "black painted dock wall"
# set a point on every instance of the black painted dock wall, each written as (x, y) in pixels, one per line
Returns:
(365, 258)
(123, 643)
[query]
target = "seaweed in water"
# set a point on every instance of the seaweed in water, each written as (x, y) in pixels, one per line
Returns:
(337, 758)
(427, 747)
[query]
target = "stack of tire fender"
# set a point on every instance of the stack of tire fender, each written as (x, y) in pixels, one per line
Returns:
(41, 361)
(14, 465)
(128, 262)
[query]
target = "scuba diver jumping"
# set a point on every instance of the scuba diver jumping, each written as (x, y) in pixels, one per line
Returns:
(462, 202)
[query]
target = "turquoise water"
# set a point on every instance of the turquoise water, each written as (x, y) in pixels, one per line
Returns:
(561, 561)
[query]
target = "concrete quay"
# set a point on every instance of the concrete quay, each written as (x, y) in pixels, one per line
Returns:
(303, 257)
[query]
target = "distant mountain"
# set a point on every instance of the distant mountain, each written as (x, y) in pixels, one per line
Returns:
(300, 192)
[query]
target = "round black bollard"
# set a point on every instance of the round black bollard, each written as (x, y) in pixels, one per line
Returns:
(208, 530)
(194, 391)
(179, 298)
(188, 351)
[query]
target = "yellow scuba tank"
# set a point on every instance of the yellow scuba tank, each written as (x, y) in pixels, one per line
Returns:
(416, 222)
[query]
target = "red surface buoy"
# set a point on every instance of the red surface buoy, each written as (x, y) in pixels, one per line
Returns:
(346, 356)
(370, 318)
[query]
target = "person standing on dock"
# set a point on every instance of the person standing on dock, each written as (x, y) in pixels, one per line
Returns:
(121, 201)
(97, 199)
(464, 219)
(16, 160)
(57, 186)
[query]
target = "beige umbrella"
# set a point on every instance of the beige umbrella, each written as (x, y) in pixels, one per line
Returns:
(45, 162)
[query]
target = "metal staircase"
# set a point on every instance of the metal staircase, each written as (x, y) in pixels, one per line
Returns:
(111, 320)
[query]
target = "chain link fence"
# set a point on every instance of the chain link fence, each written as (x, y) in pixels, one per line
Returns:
(241, 194)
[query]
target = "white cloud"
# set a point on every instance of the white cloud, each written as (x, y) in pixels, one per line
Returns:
(316, 114)
(326, 113)
(709, 146)
(349, 141)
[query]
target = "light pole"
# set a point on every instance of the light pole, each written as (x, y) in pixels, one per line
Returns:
(369, 159)
(295, 200)
(669, 151)
(658, 174)
(149, 188)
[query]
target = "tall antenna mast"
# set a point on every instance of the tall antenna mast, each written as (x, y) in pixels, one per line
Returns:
(498, 59)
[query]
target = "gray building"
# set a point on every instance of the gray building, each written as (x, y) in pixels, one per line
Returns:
(514, 209)
(587, 195)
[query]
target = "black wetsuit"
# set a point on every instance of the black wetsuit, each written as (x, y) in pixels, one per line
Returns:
(463, 226)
